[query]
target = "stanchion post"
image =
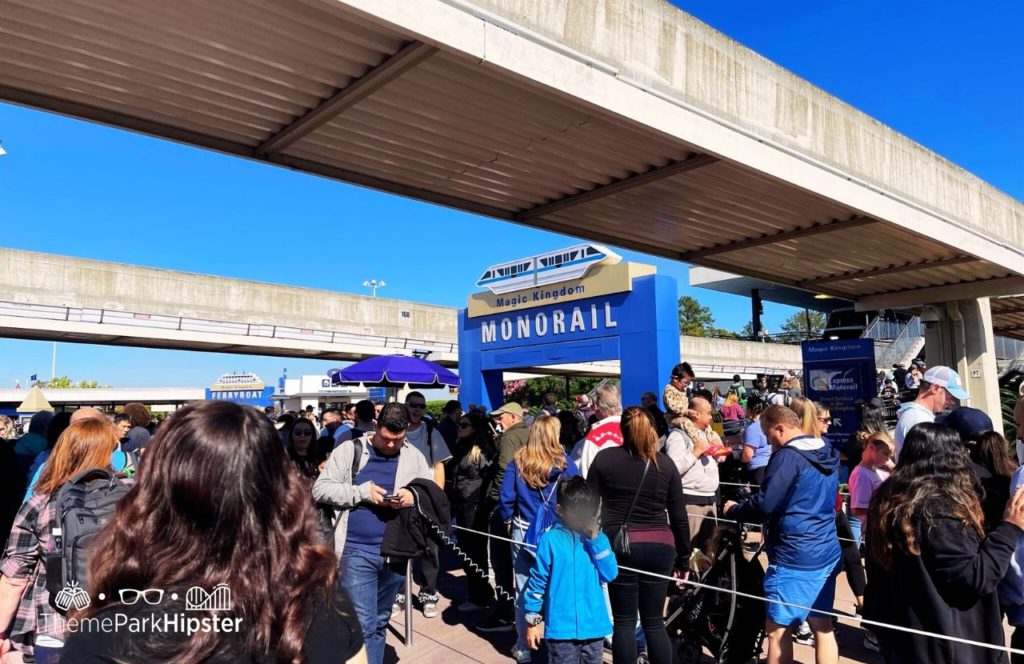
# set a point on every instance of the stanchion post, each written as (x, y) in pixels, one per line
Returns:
(408, 603)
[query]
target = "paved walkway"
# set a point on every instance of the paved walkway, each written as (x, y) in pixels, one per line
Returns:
(447, 639)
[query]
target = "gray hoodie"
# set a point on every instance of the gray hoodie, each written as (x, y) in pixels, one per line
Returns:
(334, 486)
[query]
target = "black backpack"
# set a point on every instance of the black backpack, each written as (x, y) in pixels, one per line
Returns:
(82, 507)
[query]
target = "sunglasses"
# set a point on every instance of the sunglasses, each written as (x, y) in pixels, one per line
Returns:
(419, 406)
(826, 420)
(151, 596)
(465, 425)
(306, 432)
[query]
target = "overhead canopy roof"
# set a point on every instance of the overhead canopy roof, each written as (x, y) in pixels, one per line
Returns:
(1008, 317)
(664, 136)
(736, 284)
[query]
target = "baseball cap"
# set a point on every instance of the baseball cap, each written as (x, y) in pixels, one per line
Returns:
(949, 379)
(512, 408)
(968, 422)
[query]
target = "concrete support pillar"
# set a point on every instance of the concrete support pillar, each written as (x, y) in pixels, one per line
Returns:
(958, 334)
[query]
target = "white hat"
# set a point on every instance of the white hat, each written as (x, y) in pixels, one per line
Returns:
(949, 379)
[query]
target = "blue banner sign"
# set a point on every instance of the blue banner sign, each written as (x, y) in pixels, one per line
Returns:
(246, 397)
(377, 394)
(838, 374)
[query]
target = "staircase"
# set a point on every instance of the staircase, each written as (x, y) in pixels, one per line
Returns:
(895, 342)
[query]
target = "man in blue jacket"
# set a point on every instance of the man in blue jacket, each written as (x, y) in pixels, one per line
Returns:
(796, 503)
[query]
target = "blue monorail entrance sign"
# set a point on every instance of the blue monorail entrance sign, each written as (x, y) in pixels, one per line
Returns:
(612, 311)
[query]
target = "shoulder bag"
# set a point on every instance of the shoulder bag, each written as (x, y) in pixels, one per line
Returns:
(620, 543)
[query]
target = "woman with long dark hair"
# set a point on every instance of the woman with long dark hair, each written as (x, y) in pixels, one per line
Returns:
(872, 423)
(931, 566)
(219, 518)
(82, 446)
(473, 469)
(302, 448)
(641, 491)
(990, 453)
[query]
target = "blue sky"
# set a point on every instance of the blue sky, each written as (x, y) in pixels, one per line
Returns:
(948, 75)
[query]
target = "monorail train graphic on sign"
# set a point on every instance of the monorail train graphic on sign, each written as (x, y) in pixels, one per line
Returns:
(543, 269)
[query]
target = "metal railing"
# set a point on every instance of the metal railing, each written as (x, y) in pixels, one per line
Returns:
(788, 338)
(1009, 349)
(185, 324)
(902, 345)
(882, 329)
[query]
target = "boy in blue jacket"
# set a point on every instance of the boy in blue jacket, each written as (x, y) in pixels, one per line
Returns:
(563, 601)
(796, 503)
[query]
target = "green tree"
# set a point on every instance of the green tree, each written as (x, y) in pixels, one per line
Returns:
(534, 389)
(798, 323)
(65, 383)
(695, 320)
(748, 330)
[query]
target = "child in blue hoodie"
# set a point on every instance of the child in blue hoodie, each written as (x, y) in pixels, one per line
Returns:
(796, 503)
(563, 601)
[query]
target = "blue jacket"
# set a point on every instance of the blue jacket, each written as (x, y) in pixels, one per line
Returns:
(797, 503)
(565, 584)
(520, 500)
(1011, 589)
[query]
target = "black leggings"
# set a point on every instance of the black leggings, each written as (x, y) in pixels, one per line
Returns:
(472, 515)
(631, 592)
(852, 562)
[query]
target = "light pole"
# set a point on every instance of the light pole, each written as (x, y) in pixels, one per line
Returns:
(373, 285)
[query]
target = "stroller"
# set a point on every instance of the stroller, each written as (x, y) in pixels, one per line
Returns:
(731, 627)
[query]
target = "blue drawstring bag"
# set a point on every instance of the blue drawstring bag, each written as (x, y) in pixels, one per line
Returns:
(545, 519)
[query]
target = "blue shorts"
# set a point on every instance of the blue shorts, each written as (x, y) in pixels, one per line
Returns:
(814, 588)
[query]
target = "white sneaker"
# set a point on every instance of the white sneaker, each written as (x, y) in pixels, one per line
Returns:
(522, 656)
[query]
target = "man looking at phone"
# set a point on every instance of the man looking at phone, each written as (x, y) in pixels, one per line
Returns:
(365, 478)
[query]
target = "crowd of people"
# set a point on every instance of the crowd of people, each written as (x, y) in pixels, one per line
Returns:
(575, 523)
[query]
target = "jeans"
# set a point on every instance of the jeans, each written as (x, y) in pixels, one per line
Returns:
(856, 528)
(371, 583)
(631, 592)
(565, 651)
(522, 562)
(1017, 643)
(501, 559)
(46, 655)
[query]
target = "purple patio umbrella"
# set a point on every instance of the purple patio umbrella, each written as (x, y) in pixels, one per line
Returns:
(395, 371)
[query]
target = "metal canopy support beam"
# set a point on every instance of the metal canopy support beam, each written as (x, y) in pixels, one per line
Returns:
(886, 271)
(373, 80)
(618, 186)
(966, 291)
(782, 236)
(767, 276)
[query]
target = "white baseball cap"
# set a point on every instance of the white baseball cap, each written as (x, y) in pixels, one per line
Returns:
(949, 379)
